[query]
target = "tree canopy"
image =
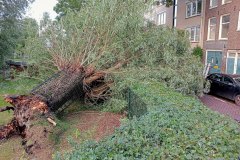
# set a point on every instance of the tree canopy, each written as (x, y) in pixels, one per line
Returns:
(63, 6)
(11, 12)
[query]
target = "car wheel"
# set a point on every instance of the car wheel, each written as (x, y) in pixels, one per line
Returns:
(237, 100)
(207, 87)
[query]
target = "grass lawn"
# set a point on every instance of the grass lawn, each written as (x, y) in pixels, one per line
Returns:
(13, 148)
(17, 86)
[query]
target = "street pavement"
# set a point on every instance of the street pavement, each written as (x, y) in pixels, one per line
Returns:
(222, 106)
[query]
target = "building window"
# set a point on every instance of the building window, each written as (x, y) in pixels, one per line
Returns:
(226, 1)
(193, 8)
(233, 62)
(213, 3)
(161, 18)
(194, 33)
(214, 59)
(224, 27)
(211, 28)
(238, 28)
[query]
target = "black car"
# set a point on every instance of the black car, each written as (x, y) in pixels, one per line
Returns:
(224, 85)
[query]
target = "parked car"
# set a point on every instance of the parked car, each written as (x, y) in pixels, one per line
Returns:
(224, 85)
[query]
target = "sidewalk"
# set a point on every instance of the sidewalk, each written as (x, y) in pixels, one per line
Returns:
(222, 105)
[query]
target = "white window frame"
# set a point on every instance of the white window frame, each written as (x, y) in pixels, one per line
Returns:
(191, 3)
(195, 33)
(220, 28)
(211, 4)
(209, 29)
(159, 22)
(235, 59)
(223, 2)
(238, 27)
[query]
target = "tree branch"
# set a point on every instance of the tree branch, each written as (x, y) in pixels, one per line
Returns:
(7, 108)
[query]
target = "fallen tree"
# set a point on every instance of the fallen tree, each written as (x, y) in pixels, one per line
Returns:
(48, 98)
(88, 48)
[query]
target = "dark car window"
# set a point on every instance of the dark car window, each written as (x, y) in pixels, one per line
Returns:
(227, 80)
(216, 77)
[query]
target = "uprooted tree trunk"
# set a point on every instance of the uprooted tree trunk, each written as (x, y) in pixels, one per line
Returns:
(48, 98)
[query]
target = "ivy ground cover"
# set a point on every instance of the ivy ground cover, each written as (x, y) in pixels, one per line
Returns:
(175, 127)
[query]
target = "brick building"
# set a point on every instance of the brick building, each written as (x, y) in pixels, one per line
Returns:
(159, 14)
(190, 17)
(184, 14)
(213, 25)
(222, 36)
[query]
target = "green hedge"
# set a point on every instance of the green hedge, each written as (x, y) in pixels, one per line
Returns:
(176, 127)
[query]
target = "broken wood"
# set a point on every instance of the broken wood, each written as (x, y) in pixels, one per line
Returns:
(7, 108)
(52, 121)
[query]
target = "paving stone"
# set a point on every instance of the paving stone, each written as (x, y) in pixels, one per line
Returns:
(222, 106)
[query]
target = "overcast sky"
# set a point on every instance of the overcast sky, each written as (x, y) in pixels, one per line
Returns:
(37, 9)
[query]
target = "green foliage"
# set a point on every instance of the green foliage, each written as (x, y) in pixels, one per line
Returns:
(13, 9)
(102, 34)
(35, 49)
(176, 127)
(10, 14)
(59, 130)
(115, 105)
(63, 6)
(197, 51)
(28, 28)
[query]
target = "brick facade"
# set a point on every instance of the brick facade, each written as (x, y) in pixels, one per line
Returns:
(183, 22)
(222, 46)
(153, 12)
(233, 41)
(180, 15)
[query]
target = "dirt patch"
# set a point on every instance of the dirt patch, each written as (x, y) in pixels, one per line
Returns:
(84, 125)
(12, 149)
(101, 124)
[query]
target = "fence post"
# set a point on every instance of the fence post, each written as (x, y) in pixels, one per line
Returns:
(129, 102)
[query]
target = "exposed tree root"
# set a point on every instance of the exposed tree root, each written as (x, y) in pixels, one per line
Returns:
(25, 110)
(9, 130)
(92, 86)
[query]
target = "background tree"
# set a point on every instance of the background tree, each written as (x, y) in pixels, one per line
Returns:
(45, 21)
(28, 28)
(63, 6)
(11, 12)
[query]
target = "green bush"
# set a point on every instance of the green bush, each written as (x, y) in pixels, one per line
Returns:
(198, 51)
(176, 127)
